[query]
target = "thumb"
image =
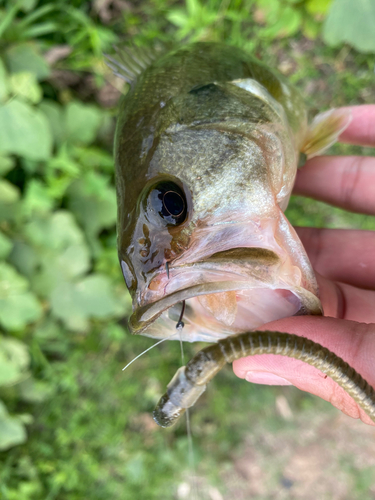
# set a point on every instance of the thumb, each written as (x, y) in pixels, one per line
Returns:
(353, 342)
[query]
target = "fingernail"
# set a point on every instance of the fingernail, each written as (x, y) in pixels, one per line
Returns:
(266, 378)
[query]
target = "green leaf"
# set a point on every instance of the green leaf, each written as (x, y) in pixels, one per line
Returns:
(288, 22)
(34, 391)
(93, 202)
(14, 361)
(58, 232)
(318, 7)
(9, 193)
(351, 22)
(82, 122)
(24, 258)
(28, 5)
(61, 249)
(18, 306)
(26, 58)
(37, 199)
(25, 85)
(6, 164)
(54, 113)
(5, 246)
(3, 82)
(92, 297)
(311, 28)
(178, 17)
(94, 158)
(12, 430)
(24, 131)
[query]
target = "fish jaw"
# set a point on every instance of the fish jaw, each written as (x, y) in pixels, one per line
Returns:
(234, 277)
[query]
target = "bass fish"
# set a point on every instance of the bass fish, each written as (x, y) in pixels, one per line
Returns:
(207, 146)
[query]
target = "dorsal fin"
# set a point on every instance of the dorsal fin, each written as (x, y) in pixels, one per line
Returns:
(130, 62)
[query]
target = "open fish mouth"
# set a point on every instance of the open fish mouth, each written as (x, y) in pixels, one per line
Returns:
(229, 292)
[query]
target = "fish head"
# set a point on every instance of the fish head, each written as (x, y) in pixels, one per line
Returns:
(202, 184)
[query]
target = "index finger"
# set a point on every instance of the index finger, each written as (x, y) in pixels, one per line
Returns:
(361, 129)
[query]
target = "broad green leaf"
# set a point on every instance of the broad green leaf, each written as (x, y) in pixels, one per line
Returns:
(61, 249)
(12, 430)
(24, 131)
(9, 196)
(93, 202)
(351, 22)
(9, 193)
(14, 361)
(34, 391)
(24, 258)
(94, 158)
(54, 113)
(3, 82)
(6, 164)
(56, 231)
(63, 162)
(316, 7)
(5, 246)
(18, 306)
(92, 297)
(82, 122)
(287, 23)
(37, 199)
(26, 57)
(25, 85)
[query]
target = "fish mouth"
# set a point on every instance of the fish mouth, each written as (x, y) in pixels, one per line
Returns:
(226, 293)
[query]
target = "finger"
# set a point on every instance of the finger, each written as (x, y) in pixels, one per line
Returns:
(361, 130)
(353, 342)
(341, 254)
(344, 301)
(344, 181)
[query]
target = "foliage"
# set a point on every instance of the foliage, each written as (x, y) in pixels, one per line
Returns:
(352, 23)
(62, 297)
(231, 20)
(53, 259)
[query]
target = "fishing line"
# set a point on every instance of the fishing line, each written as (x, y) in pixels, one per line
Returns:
(148, 349)
(191, 461)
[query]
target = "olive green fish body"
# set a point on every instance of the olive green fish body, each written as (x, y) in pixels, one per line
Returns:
(207, 145)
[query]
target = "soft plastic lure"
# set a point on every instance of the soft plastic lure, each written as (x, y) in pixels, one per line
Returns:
(190, 381)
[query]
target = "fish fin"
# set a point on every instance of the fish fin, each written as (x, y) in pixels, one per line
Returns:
(129, 62)
(324, 131)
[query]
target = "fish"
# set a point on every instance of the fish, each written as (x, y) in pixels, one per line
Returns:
(207, 145)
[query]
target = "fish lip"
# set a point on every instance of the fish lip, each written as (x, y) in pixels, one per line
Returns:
(147, 313)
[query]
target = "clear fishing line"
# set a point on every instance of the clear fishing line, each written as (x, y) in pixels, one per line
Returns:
(148, 349)
(191, 460)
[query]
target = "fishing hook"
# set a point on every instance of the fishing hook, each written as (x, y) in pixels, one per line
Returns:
(167, 269)
(180, 323)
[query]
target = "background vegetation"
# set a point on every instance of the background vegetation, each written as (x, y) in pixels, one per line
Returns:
(72, 425)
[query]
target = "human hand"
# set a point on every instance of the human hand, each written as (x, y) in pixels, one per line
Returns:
(344, 261)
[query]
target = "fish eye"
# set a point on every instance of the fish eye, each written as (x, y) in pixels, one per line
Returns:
(168, 200)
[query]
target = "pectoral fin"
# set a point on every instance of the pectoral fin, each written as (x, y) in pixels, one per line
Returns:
(324, 131)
